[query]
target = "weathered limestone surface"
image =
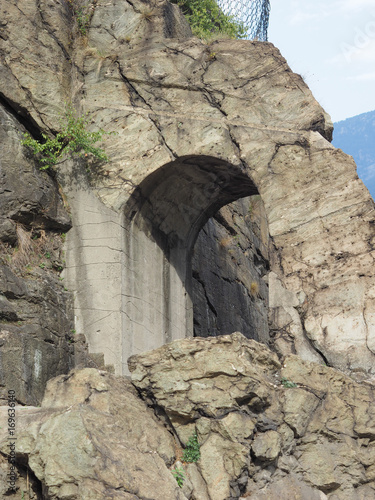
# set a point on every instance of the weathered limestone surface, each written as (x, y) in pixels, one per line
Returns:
(267, 430)
(198, 126)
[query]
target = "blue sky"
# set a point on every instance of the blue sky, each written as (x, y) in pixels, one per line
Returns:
(331, 43)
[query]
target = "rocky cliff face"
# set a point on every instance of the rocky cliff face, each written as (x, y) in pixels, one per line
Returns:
(197, 126)
(267, 429)
(224, 207)
(38, 339)
(36, 320)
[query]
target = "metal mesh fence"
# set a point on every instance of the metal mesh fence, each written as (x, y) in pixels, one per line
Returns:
(254, 14)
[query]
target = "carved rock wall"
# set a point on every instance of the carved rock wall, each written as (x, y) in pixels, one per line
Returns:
(198, 126)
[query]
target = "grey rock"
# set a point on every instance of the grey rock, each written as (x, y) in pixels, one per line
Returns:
(229, 390)
(35, 201)
(267, 446)
(286, 488)
(230, 262)
(198, 126)
(36, 337)
(93, 439)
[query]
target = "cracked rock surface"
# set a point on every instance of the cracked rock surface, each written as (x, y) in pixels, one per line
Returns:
(197, 126)
(267, 429)
(93, 438)
(36, 317)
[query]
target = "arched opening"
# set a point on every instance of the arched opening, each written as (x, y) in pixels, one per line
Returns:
(162, 222)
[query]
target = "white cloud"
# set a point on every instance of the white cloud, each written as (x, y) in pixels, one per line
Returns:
(321, 9)
(365, 54)
(368, 172)
(346, 39)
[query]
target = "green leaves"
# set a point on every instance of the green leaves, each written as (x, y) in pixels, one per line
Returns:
(74, 138)
(48, 152)
(82, 14)
(207, 19)
(179, 475)
(83, 21)
(192, 452)
(288, 383)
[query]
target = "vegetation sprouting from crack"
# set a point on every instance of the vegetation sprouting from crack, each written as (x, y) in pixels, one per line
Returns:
(73, 139)
(288, 383)
(82, 15)
(192, 451)
(207, 20)
(179, 475)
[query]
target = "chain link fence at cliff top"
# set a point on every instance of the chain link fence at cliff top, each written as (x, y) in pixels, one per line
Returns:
(254, 14)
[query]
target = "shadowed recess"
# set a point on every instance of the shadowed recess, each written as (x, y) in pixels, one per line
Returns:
(173, 203)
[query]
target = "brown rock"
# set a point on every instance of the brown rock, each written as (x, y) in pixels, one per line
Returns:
(299, 406)
(285, 489)
(94, 438)
(267, 446)
(221, 461)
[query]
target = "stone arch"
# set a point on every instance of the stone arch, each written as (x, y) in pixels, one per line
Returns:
(162, 222)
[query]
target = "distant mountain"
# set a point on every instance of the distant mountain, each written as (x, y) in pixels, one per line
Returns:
(356, 137)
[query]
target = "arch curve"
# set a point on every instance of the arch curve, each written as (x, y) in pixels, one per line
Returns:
(176, 200)
(162, 221)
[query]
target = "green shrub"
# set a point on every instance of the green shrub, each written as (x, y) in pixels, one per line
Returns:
(207, 19)
(179, 475)
(288, 383)
(192, 451)
(73, 139)
(83, 21)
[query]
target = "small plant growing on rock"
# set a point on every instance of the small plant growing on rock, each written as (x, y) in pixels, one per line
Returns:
(192, 451)
(83, 21)
(288, 383)
(179, 475)
(82, 15)
(74, 138)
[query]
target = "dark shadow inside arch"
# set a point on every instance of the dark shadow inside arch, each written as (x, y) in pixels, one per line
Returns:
(173, 204)
(230, 265)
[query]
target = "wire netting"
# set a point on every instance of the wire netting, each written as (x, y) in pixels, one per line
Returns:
(254, 14)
